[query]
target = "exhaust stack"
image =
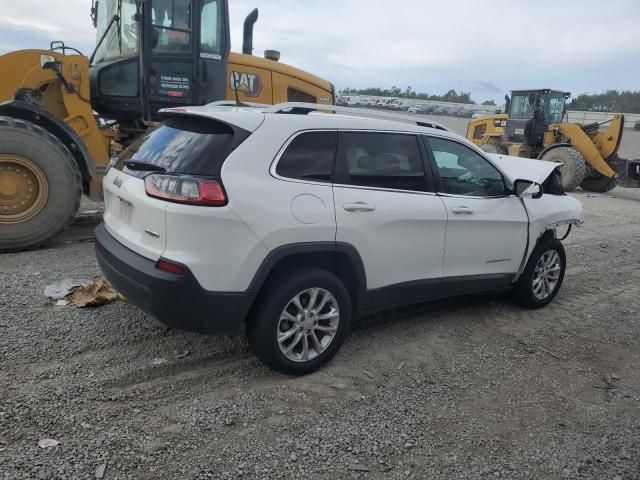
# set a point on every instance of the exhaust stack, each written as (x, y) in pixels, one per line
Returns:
(247, 41)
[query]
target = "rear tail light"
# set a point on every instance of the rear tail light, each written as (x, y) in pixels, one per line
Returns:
(181, 189)
(171, 267)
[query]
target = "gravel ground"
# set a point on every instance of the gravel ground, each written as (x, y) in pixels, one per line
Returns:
(466, 389)
(478, 388)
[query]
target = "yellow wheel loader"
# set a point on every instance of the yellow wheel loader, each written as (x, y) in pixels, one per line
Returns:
(534, 127)
(64, 115)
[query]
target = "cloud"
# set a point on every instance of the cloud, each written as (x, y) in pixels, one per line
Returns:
(578, 45)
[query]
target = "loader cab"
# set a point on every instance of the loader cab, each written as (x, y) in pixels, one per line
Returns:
(156, 54)
(531, 112)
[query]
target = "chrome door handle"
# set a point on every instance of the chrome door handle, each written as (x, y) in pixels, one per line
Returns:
(462, 210)
(358, 207)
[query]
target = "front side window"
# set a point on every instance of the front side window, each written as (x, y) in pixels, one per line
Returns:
(465, 172)
(310, 156)
(382, 160)
(121, 38)
(171, 26)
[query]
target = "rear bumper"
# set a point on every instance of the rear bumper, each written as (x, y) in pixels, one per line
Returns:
(176, 301)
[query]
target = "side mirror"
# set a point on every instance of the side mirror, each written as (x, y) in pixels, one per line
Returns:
(523, 187)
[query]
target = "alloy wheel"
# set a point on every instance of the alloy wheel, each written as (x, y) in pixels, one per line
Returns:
(546, 274)
(308, 324)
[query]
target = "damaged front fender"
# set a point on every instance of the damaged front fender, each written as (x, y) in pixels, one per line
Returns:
(549, 213)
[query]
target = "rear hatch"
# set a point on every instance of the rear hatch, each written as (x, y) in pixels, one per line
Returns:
(183, 146)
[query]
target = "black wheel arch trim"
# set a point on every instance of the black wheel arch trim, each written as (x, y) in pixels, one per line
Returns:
(44, 119)
(404, 293)
(281, 253)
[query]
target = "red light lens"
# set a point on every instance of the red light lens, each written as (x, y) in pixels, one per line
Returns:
(190, 190)
(170, 267)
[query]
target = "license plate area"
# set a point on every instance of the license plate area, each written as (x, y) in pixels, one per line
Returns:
(125, 211)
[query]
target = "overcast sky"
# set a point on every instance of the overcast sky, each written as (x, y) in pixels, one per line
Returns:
(483, 47)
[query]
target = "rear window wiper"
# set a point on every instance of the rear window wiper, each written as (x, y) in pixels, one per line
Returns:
(143, 166)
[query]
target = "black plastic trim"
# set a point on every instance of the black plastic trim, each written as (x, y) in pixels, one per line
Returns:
(280, 253)
(178, 301)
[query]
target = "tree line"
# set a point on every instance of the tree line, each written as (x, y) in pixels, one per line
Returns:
(626, 101)
(450, 96)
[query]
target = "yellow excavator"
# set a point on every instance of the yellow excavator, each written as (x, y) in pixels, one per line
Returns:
(64, 115)
(533, 126)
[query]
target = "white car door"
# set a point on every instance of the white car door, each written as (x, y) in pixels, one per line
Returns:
(386, 208)
(487, 227)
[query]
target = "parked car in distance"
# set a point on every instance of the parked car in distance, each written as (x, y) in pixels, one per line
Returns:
(348, 100)
(636, 126)
(423, 108)
(400, 104)
(291, 225)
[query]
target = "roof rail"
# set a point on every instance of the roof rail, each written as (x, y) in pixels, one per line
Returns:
(233, 103)
(306, 108)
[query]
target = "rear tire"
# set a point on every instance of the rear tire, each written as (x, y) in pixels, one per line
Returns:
(542, 277)
(40, 186)
(275, 315)
(494, 148)
(575, 167)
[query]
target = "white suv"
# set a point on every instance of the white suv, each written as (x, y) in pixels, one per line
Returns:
(292, 221)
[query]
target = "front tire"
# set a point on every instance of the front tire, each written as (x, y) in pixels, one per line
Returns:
(542, 277)
(40, 185)
(575, 167)
(300, 321)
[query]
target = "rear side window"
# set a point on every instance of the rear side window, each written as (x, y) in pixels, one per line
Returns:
(310, 156)
(189, 145)
(383, 160)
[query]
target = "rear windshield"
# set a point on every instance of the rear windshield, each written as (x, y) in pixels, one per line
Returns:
(184, 144)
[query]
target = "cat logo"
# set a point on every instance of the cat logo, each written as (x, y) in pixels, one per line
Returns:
(249, 84)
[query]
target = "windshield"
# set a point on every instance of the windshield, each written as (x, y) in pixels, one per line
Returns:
(122, 36)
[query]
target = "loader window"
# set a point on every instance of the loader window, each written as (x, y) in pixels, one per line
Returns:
(520, 107)
(210, 23)
(122, 37)
(172, 22)
(553, 106)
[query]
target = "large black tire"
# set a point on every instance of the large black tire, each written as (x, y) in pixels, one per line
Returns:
(57, 169)
(596, 182)
(264, 325)
(494, 148)
(575, 167)
(525, 288)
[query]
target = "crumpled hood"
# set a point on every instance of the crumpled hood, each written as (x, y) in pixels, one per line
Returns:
(517, 168)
